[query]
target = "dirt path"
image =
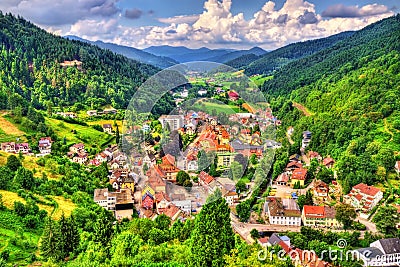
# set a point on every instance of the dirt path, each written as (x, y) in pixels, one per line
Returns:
(302, 108)
(386, 127)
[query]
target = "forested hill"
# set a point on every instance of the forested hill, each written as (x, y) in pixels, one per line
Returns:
(352, 93)
(33, 70)
(275, 59)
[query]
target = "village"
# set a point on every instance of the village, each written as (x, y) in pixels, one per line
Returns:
(203, 156)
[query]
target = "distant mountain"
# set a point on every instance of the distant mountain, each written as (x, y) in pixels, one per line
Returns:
(275, 59)
(242, 61)
(255, 51)
(132, 53)
(184, 54)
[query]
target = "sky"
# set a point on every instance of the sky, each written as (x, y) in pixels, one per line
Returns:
(235, 24)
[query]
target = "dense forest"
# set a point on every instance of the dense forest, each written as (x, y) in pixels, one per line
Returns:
(352, 92)
(274, 60)
(31, 71)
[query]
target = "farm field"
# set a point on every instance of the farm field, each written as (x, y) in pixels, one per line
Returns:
(8, 131)
(30, 163)
(63, 205)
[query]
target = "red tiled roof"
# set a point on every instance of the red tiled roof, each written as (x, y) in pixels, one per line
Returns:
(328, 161)
(358, 197)
(314, 211)
(294, 164)
(205, 177)
(299, 174)
(366, 189)
(168, 159)
(283, 177)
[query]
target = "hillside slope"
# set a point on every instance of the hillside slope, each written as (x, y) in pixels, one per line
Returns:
(352, 91)
(282, 56)
(38, 69)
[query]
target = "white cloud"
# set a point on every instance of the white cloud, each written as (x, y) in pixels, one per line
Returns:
(217, 26)
(180, 19)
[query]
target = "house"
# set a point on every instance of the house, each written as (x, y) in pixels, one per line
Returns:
(321, 190)
(230, 197)
(383, 252)
(282, 179)
(184, 205)
(171, 211)
(146, 128)
(149, 159)
(110, 111)
(161, 200)
(8, 147)
(293, 165)
(101, 157)
(22, 148)
(174, 121)
(80, 158)
(263, 241)
(202, 92)
(91, 113)
(363, 197)
(283, 211)
(298, 177)
(107, 128)
(45, 145)
(192, 163)
(328, 162)
(306, 139)
(76, 148)
(155, 181)
(167, 168)
(275, 239)
(147, 201)
(397, 167)
(314, 155)
(205, 179)
(233, 96)
(120, 202)
(319, 216)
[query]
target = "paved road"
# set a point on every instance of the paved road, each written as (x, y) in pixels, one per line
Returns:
(243, 229)
(370, 225)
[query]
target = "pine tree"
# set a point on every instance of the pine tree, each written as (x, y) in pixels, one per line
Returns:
(69, 235)
(50, 240)
(117, 136)
(212, 236)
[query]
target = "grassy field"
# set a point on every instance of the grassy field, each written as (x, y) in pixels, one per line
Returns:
(101, 122)
(218, 107)
(63, 205)
(260, 79)
(8, 131)
(84, 134)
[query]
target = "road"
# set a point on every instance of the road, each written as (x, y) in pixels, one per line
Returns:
(243, 229)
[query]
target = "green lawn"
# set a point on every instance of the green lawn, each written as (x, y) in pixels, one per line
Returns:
(260, 79)
(218, 107)
(84, 134)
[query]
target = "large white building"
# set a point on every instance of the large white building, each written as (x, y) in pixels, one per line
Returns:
(283, 211)
(174, 121)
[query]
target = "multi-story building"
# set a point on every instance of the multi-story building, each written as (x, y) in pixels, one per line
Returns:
(364, 197)
(174, 121)
(320, 216)
(283, 211)
(120, 202)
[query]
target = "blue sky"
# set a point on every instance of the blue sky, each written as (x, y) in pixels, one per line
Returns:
(197, 23)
